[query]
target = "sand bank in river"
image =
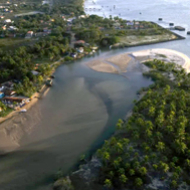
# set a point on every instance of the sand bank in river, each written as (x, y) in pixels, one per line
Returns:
(114, 64)
(120, 62)
(101, 66)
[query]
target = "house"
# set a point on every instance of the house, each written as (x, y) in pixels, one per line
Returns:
(80, 50)
(2, 17)
(80, 42)
(8, 84)
(9, 92)
(45, 2)
(2, 95)
(19, 100)
(1, 109)
(29, 34)
(6, 10)
(46, 30)
(130, 23)
(4, 27)
(35, 72)
(82, 16)
(12, 28)
(73, 55)
(7, 21)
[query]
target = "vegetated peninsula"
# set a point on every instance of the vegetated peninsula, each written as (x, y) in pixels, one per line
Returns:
(150, 149)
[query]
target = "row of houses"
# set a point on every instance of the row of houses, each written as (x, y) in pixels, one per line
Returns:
(9, 98)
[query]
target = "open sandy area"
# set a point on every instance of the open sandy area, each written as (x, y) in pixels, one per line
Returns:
(119, 63)
(102, 66)
(166, 55)
(114, 64)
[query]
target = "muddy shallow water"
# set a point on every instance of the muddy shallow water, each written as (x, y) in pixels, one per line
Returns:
(78, 113)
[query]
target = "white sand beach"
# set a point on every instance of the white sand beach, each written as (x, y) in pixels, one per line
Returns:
(121, 61)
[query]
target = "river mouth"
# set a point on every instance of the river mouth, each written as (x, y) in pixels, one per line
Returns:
(79, 112)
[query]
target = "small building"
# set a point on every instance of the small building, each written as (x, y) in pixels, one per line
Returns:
(35, 73)
(80, 42)
(12, 28)
(29, 34)
(7, 21)
(73, 55)
(9, 92)
(130, 23)
(2, 17)
(80, 50)
(2, 95)
(19, 100)
(45, 2)
(4, 27)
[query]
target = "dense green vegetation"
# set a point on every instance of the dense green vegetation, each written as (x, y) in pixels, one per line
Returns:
(18, 64)
(154, 143)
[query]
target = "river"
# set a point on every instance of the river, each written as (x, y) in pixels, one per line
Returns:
(79, 112)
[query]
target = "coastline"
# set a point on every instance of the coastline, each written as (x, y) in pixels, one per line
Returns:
(123, 60)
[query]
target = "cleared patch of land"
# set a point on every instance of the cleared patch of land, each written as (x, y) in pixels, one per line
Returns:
(136, 40)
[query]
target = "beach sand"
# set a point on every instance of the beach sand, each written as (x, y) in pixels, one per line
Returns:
(120, 62)
(114, 64)
(166, 55)
(102, 66)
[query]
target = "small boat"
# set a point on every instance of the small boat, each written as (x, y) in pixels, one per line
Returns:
(23, 111)
(49, 82)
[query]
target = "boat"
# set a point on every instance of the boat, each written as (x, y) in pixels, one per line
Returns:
(49, 82)
(23, 111)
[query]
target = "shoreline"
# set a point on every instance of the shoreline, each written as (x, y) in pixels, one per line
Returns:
(122, 60)
(35, 97)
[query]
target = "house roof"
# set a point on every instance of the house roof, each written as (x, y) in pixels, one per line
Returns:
(16, 99)
(80, 42)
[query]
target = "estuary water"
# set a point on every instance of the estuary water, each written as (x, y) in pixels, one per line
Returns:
(81, 109)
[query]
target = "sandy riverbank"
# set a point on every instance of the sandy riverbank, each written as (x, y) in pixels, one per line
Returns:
(122, 61)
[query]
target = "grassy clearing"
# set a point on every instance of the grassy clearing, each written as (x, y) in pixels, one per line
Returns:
(135, 40)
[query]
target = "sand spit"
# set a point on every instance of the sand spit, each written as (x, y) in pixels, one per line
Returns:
(119, 63)
(166, 55)
(114, 64)
(102, 66)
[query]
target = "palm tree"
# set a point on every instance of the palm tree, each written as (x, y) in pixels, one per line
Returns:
(108, 183)
(143, 171)
(138, 182)
(179, 146)
(164, 166)
(160, 146)
(123, 178)
(131, 172)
